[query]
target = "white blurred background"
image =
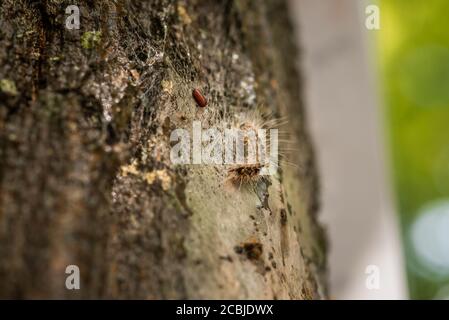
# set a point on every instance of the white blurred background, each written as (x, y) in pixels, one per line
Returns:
(344, 115)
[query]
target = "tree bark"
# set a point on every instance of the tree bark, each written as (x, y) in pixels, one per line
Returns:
(86, 179)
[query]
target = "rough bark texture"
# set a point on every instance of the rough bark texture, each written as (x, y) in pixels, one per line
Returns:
(85, 121)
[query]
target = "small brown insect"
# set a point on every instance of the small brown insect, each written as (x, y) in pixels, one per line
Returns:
(199, 98)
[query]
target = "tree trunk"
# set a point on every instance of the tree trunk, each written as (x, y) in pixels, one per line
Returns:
(86, 178)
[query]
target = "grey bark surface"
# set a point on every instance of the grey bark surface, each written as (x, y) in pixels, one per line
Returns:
(86, 179)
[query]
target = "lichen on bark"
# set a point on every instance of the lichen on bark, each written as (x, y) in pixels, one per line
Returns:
(84, 153)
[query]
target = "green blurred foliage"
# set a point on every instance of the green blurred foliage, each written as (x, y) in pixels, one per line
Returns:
(414, 57)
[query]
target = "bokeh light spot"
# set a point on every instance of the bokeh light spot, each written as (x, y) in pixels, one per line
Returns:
(430, 238)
